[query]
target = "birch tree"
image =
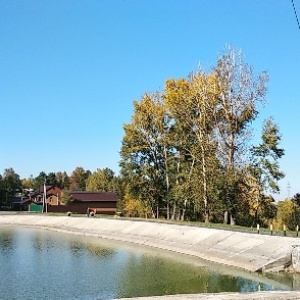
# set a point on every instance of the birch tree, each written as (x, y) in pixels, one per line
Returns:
(191, 104)
(240, 94)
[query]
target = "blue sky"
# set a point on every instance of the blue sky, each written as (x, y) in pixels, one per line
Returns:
(70, 69)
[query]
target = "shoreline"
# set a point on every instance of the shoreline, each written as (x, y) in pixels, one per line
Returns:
(110, 229)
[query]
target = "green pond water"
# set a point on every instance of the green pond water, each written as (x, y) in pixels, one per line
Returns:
(40, 264)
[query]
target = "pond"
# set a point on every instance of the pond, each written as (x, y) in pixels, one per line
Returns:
(40, 264)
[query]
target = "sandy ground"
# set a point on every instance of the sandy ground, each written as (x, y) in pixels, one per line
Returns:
(60, 225)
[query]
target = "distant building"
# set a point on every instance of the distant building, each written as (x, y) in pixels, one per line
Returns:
(82, 201)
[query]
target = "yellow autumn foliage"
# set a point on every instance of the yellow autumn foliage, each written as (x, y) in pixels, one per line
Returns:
(136, 208)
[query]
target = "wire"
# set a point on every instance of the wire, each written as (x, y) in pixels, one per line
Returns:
(296, 14)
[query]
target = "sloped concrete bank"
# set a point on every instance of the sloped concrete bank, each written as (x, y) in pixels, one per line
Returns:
(227, 296)
(242, 250)
(247, 251)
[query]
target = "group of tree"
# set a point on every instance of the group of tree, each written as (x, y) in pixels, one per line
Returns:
(188, 154)
(79, 180)
(10, 183)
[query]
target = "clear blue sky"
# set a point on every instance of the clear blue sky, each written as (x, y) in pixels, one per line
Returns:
(69, 71)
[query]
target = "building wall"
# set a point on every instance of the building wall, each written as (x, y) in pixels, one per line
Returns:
(82, 207)
(53, 200)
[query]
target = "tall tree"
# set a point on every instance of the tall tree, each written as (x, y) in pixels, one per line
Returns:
(51, 179)
(145, 151)
(12, 184)
(78, 179)
(39, 180)
(192, 103)
(102, 180)
(296, 211)
(265, 164)
(63, 180)
(240, 94)
(28, 183)
(2, 191)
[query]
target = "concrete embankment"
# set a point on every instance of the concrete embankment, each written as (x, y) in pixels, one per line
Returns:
(228, 296)
(247, 251)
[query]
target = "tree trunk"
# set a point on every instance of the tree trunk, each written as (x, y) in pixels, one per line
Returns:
(167, 181)
(174, 211)
(232, 220)
(183, 211)
(225, 220)
(182, 215)
(204, 181)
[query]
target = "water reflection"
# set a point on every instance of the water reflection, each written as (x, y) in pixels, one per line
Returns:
(78, 248)
(6, 242)
(142, 274)
(36, 264)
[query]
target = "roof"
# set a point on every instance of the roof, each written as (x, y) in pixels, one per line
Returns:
(50, 189)
(20, 200)
(84, 196)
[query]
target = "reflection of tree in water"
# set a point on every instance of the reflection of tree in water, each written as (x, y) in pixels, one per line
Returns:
(59, 243)
(38, 243)
(6, 240)
(145, 275)
(290, 281)
(96, 250)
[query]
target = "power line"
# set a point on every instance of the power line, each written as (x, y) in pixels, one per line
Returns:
(296, 14)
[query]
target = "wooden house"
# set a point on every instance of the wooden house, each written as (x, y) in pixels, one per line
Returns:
(53, 194)
(84, 201)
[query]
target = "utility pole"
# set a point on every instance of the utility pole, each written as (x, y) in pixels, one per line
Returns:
(44, 197)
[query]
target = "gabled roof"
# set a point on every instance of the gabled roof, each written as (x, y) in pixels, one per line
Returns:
(50, 189)
(20, 200)
(87, 196)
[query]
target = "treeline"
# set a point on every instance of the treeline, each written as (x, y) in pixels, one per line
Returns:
(79, 180)
(187, 152)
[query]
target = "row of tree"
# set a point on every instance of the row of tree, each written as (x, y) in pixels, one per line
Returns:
(79, 180)
(187, 151)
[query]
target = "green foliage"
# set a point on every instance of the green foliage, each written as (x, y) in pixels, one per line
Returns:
(10, 184)
(145, 151)
(285, 214)
(39, 180)
(103, 180)
(185, 152)
(65, 197)
(78, 179)
(296, 210)
(136, 208)
(265, 166)
(51, 179)
(63, 180)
